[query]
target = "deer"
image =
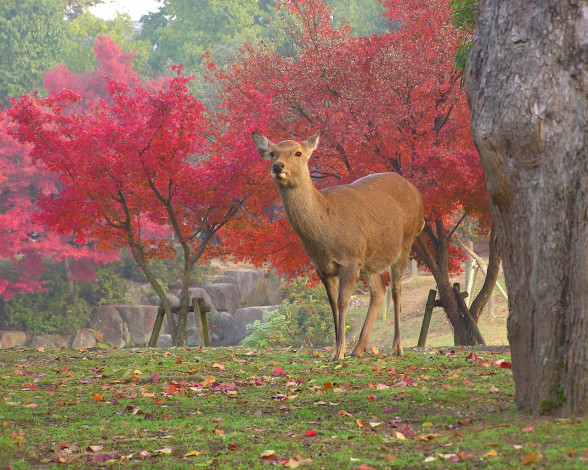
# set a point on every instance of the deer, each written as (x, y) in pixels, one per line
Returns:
(350, 230)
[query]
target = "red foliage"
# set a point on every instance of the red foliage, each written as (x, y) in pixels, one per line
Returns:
(135, 166)
(24, 239)
(389, 102)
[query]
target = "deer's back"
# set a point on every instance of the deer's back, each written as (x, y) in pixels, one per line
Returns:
(375, 218)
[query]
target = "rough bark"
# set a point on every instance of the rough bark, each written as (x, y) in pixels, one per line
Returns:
(527, 88)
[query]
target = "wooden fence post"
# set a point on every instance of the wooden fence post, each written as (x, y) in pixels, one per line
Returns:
(157, 327)
(200, 310)
(427, 318)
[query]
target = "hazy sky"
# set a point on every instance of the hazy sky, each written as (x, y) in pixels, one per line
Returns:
(135, 8)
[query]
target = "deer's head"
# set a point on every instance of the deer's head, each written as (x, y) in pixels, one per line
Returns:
(288, 158)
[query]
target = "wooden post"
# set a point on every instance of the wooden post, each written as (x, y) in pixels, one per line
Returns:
(200, 310)
(427, 318)
(465, 311)
(157, 326)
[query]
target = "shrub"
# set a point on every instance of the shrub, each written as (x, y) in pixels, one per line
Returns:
(57, 310)
(303, 319)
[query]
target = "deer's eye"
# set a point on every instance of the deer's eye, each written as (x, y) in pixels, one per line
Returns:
(298, 154)
(272, 154)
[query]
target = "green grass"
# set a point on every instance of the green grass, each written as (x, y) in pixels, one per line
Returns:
(240, 408)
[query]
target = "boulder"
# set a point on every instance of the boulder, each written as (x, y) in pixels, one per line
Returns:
(274, 289)
(109, 322)
(174, 300)
(225, 297)
(12, 338)
(48, 341)
(251, 284)
(83, 339)
(164, 341)
(140, 320)
(236, 328)
(140, 293)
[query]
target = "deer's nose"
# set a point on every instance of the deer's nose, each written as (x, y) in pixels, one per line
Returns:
(277, 168)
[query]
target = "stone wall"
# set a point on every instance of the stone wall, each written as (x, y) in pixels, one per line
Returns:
(237, 298)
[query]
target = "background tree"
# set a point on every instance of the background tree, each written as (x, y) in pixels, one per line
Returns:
(31, 37)
(136, 169)
(82, 32)
(382, 103)
(526, 81)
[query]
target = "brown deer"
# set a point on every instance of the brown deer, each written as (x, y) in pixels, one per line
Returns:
(362, 228)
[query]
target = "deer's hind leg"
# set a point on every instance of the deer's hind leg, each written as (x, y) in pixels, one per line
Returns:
(377, 295)
(396, 274)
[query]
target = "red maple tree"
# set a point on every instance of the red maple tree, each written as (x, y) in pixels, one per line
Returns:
(389, 102)
(136, 170)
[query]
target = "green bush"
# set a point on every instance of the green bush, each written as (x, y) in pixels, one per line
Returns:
(56, 310)
(303, 320)
(109, 287)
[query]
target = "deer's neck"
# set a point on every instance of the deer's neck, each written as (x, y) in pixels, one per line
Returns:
(304, 206)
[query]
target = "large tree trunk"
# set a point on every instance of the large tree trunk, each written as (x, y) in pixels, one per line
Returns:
(527, 88)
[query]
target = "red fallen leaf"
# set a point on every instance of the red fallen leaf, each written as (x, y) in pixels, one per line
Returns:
(310, 432)
(410, 367)
(217, 420)
(471, 357)
(404, 383)
(105, 457)
(465, 421)
(366, 467)
(388, 409)
(467, 382)
(269, 455)
(374, 350)
(506, 365)
(372, 398)
(278, 371)
(528, 429)
(154, 378)
(327, 385)
(232, 446)
(98, 397)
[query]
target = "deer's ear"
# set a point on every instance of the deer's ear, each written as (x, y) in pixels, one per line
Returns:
(262, 144)
(311, 143)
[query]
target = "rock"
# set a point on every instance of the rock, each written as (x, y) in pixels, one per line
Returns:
(12, 338)
(236, 329)
(225, 297)
(192, 337)
(139, 294)
(164, 341)
(109, 322)
(252, 288)
(83, 339)
(48, 341)
(140, 320)
(274, 289)
(200, 292)
(174, 300)
(355, 302)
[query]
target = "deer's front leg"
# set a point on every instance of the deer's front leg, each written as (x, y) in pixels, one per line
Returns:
(347, 279)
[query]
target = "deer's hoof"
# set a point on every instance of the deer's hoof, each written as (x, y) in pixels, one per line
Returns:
(357, 352)
(338, 356)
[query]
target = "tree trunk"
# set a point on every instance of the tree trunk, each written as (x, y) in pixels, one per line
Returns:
(527, 88)
(463, 326)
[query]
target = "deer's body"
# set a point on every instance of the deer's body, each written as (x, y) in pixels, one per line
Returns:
(362, 228)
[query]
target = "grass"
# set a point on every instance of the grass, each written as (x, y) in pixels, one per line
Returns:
(239, 408)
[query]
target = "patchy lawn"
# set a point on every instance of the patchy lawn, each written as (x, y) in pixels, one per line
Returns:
(239, 408)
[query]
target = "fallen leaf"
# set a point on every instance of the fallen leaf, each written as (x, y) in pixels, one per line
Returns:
(95, 448)
(193, 453)
(218, 365)
(375, 424)
(400, 436)
(154, 378)
(491, 453)
(429, 459)
(144, 454)
(269, 455)
(98, 397)
(278, 371)
(374, 350)
(372, 398)
(344, 413)
(528, 429)
(327, 385)
(529, 459)
(310, 433)
(359, 423)
(163, 451)
(506, 365)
